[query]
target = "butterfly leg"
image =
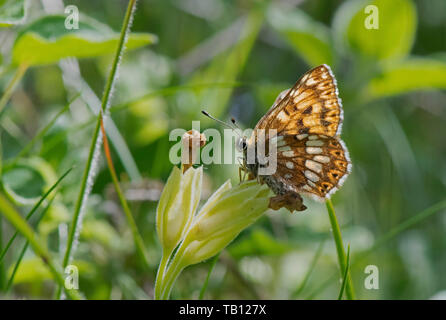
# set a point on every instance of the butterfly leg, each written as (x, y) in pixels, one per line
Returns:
(290, 200)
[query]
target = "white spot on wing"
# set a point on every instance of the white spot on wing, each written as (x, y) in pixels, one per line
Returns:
(284, 148)
(313, 150)
(282, 116)
(278, 140)
(311, 183)
(321, 159)
(288, 154)
(314, 143)
(313, 165)
(289, 165)
(310, 175)
(310, 82)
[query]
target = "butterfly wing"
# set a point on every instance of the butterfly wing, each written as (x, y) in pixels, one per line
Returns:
(311, 157)
(311, 106)
(315, 165)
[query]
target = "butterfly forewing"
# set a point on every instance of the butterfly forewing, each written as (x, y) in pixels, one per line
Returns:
(312, 164)
(311, 106)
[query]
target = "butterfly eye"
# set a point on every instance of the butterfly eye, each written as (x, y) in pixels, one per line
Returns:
(241, 144)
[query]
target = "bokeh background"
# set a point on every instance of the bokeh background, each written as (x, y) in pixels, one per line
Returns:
(233, 58)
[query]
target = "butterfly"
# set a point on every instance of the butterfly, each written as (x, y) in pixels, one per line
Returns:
(311, 157)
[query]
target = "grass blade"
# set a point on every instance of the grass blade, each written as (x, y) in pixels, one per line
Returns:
(412, 221)
(139, 243)
(344, 279)
(313, 263)
(89, 172)
(206, 282)
(11, 86)
(25, 247)
(339, 247)
(10, 213)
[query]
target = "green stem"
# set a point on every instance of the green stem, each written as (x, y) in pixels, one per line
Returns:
(340, 248)
(20, 224)
(205, 285)
(11, 86)
(171, 276)
(88, 175)
(172, 272)
(139, 243)
(160, 274)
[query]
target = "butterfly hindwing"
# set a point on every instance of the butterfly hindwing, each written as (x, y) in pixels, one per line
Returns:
(311, 106)
(312, 164)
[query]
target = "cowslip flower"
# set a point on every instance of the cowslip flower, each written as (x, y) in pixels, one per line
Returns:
(199, 236)
(226, 213)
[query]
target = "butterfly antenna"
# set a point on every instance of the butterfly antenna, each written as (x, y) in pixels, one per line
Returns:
(235, 123)
(222, 122)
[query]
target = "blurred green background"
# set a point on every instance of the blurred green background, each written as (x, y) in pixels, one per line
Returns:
(232, 58)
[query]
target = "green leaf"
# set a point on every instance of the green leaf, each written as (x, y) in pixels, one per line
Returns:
(394, 37)
(46, 41)
(310, 39)
(12, 12)
(412, 74)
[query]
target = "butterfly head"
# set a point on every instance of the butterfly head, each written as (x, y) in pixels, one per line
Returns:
(241, 144)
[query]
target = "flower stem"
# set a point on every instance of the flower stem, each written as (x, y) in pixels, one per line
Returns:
(89, 170)
(11, 86)
(342, 260)
(139, 243)
(160, 274)
(172, 272)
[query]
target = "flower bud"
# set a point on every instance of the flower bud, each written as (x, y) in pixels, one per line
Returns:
(191, 141)
(222, 218)
(177, 206)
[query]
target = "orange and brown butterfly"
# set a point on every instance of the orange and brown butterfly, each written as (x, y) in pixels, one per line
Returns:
(311, 157)
(305, 122)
